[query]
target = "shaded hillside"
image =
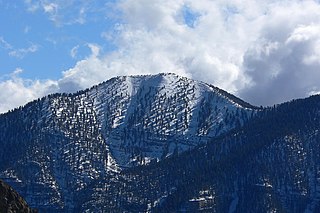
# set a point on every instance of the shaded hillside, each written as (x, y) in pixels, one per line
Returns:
(270, 165)
(11, 201)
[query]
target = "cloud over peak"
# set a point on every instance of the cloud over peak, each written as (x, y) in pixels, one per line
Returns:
(266, 52)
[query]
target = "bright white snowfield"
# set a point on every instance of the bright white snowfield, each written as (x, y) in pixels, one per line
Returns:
(144, 118)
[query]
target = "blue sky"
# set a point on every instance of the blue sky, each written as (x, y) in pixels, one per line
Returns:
(265, 52)
(40, 42)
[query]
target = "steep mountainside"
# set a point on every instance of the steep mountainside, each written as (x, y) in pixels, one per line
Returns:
(162, 143)
(272, 164)
(67, 152)
(10, 200)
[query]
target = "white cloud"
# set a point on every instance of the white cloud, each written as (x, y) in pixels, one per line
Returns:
(22, 52)
(16, 91)
(84, 74)
(16, 72)
(26, 29)
(154, 37)
(33, 5)
(62, 12)
(4, 44)
(18, 53)
(95, 50)
(265, 51)
(50, 8)
(291, 68)
(74, 51)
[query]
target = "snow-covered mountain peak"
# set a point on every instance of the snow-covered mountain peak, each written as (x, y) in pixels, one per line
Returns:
(144, 118)
(147, 115)
(68, 141)
(80, 152)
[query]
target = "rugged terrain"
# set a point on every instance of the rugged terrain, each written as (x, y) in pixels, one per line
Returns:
(162, 143)
(11, 201)
(56, 148)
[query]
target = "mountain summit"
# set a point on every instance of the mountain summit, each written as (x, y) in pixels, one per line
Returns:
(162, 143)
(62, 143)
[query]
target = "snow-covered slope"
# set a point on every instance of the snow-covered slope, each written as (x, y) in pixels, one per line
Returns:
(272, 164)
(64, 144)
(146, 118)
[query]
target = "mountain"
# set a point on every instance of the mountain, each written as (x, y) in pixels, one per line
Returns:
(162, 143)
(11, 201)
(72, 152)
(271, 164)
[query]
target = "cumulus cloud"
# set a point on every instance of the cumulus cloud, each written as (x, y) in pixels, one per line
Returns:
(266, 52)
(85, 73)
(283, 63)
(16, 91)
(157, 37)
